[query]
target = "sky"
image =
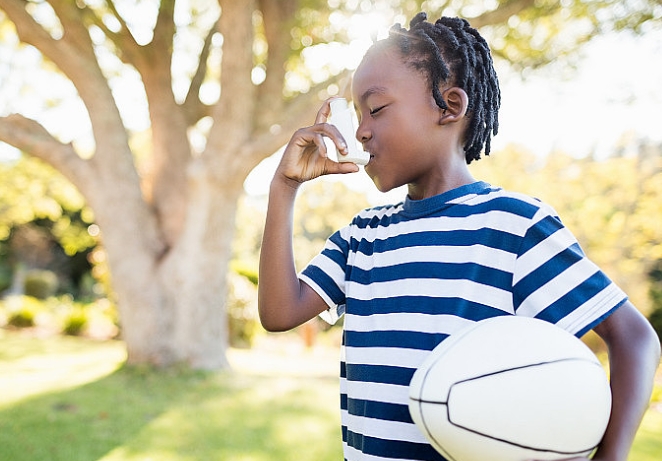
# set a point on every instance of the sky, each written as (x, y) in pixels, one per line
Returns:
(616, 91)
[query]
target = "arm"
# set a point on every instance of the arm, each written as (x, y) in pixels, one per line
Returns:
(285, 302)
(634, 355)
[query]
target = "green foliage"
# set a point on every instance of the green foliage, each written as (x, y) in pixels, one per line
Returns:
(655, 318)
(32, 190)
(22, 311)
(75, 322)
(61, 315)
(243, 324)
(322, 207)
(612, 205)
(527, 35)
(41, 284)
(250, 272)
(44, 224)
(251, 213)
(22, 318)
(655, 292)
(5, 274)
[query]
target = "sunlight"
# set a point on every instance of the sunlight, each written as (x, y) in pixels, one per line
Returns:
(61, 367)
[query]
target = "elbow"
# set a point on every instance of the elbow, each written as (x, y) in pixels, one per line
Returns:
(648, 336)
(272, 326)
(272, 319)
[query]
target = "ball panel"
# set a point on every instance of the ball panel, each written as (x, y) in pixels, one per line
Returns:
(490, 346)
(432, 418)
(458, 444)
(538, 406)
(483, 356)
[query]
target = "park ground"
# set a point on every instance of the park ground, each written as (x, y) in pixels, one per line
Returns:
(66, 398)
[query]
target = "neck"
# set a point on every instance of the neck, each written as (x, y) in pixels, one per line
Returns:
(447, 177)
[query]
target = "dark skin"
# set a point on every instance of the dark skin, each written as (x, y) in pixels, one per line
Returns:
(414, 142)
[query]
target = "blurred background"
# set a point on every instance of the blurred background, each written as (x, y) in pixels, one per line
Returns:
(137, 142)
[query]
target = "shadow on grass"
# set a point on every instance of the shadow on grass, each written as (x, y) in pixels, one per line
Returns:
(137, 413)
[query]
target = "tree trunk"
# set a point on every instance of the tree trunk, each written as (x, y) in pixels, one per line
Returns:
(194, 273)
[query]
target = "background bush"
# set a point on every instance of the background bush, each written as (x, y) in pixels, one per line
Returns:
(41, 284)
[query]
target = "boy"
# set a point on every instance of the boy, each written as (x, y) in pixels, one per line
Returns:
(455, 251)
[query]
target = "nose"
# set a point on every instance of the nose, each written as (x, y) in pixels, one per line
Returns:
(363, 133)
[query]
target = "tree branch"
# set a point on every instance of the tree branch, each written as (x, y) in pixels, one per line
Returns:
(28, 30)
(193, 107)
(125, 43)
(501, 14)
(300, 111)
(234, 110)
(30, 137)
(76, 40)
(164, 32)
(73, 54)
(278, 15)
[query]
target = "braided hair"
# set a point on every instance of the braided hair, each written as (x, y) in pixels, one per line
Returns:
(451, 51)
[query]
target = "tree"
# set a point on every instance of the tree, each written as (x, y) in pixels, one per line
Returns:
(168, 220)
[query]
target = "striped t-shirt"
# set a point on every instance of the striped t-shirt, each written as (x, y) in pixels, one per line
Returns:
(406, 276)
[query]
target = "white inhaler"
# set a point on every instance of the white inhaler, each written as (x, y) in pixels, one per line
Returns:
(341, 118)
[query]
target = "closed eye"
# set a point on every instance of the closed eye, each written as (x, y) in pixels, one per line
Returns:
(376, 110)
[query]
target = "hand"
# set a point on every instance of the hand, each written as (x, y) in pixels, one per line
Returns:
(305, 156)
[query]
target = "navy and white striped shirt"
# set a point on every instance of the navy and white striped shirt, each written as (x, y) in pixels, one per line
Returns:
(406, 276)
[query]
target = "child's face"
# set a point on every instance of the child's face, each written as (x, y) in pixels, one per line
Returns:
(398, 121)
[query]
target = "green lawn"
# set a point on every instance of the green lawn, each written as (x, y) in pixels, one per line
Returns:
(72, 399)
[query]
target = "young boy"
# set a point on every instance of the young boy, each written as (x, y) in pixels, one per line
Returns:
(455, 251)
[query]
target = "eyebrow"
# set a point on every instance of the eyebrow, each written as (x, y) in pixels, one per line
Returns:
(370, 91)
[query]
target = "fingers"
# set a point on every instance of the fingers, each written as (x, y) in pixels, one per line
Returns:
(306, 155)
(310, 137)
(340, 168)
(334, 134)
(325, 111)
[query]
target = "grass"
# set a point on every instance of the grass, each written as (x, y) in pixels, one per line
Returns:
(72, 399)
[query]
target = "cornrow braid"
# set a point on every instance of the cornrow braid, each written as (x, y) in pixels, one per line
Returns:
(451, 52)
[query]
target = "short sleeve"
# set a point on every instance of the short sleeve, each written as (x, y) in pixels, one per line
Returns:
(555, 281)
(326, 274)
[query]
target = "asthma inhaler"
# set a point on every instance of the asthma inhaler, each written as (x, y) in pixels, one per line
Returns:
(341, 118)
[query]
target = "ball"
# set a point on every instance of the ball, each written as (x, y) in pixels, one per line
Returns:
(511, 389)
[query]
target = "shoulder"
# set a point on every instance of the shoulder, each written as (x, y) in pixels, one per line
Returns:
(496, 199)
(377, 216)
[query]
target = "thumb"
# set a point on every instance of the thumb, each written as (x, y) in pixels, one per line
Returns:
(332, 167)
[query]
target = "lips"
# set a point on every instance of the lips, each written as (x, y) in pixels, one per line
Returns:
(371, 159)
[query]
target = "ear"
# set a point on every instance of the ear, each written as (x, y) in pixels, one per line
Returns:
(457, 101)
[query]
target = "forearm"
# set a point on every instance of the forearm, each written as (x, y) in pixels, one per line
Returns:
(283, 301)
(278, 283)
(634, 355)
